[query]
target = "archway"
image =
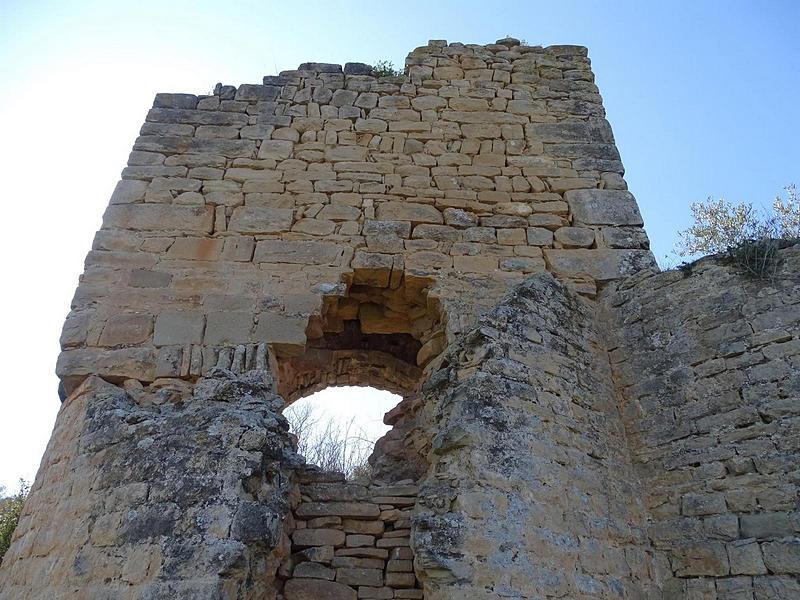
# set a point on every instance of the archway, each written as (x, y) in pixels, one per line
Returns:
(379, 328)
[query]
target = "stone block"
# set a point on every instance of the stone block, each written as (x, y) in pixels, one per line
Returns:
(179, 327)
(314, 570)
(400, 580)
(171, 144)
(372, 268)
(600, 264)
(186, 101)
(360, 510)
(783, 556)
(745, 558)
(124, 363)
(126, 330)
(370, 577)
(228, 327)
(700, 559)
(196, 248)
(147, 278)
(360, 540)
(297, 252)
(283, 332)
(275, 149)
(249, 92)
(574, 237)
(603, 207)
(128, 191)
(259, 219)
(765, 525)
(318, 537)
(703, 504)
(159, 217)
(776, 588)
(408, 211)
(364, 527)
(315, 589)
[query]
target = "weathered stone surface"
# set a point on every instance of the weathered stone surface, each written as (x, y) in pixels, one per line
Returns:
(402, 211)
(179, 327)
(124, 330)
(297, 252)
(159, 217)
(318, 537)
(603, 207)
(601, 265)
(256, 219)
(314, 589)
(341, 509)
(154, 479)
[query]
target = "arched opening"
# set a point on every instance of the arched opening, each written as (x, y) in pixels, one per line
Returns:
(378, 328)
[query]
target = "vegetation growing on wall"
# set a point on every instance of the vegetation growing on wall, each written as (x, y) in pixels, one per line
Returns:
(385, 68)
(10, 510)
(748, 237)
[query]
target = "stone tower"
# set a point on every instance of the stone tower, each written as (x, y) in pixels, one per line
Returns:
(574, 424)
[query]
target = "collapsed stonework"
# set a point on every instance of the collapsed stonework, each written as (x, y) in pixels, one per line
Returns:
(574, 424)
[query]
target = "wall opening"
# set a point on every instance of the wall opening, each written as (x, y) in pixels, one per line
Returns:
(374, 329)
(337, 428)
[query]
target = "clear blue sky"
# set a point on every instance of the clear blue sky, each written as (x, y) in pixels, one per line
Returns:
(702, 97)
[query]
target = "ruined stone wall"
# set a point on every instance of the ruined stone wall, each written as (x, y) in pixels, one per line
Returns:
(351, 540)
(159, 493)
(530, 491)
(241, 214)
(708, 368)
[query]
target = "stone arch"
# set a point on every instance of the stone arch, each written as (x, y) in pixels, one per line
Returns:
(376, 329)
(380, 328)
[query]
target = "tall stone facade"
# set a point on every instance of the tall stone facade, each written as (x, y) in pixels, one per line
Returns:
(574, 424)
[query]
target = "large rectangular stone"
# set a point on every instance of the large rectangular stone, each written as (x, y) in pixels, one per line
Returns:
(363, 510)
(126, 330)
(191, 145)
(123, 363)
(159, 217)
(600, 264)
(282, 331)
(318, 537)
(228, 327)
(251, 92)
(603, 207)
(260, 219)
(179, 327)
(196, 248)
(408, 211)
(315, 589)
(596, 130)
(196, 117)
(370, 577)
(297, 252)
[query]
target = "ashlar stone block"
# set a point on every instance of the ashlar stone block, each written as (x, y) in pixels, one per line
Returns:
(603, 207)
(179, 327)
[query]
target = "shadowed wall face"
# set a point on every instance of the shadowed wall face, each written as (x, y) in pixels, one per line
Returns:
(707, 364)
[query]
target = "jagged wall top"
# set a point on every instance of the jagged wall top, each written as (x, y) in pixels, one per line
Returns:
(241, 211)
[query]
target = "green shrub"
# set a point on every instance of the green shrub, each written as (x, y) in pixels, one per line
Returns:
(10, 510)
(385, 68)
(748, 238)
